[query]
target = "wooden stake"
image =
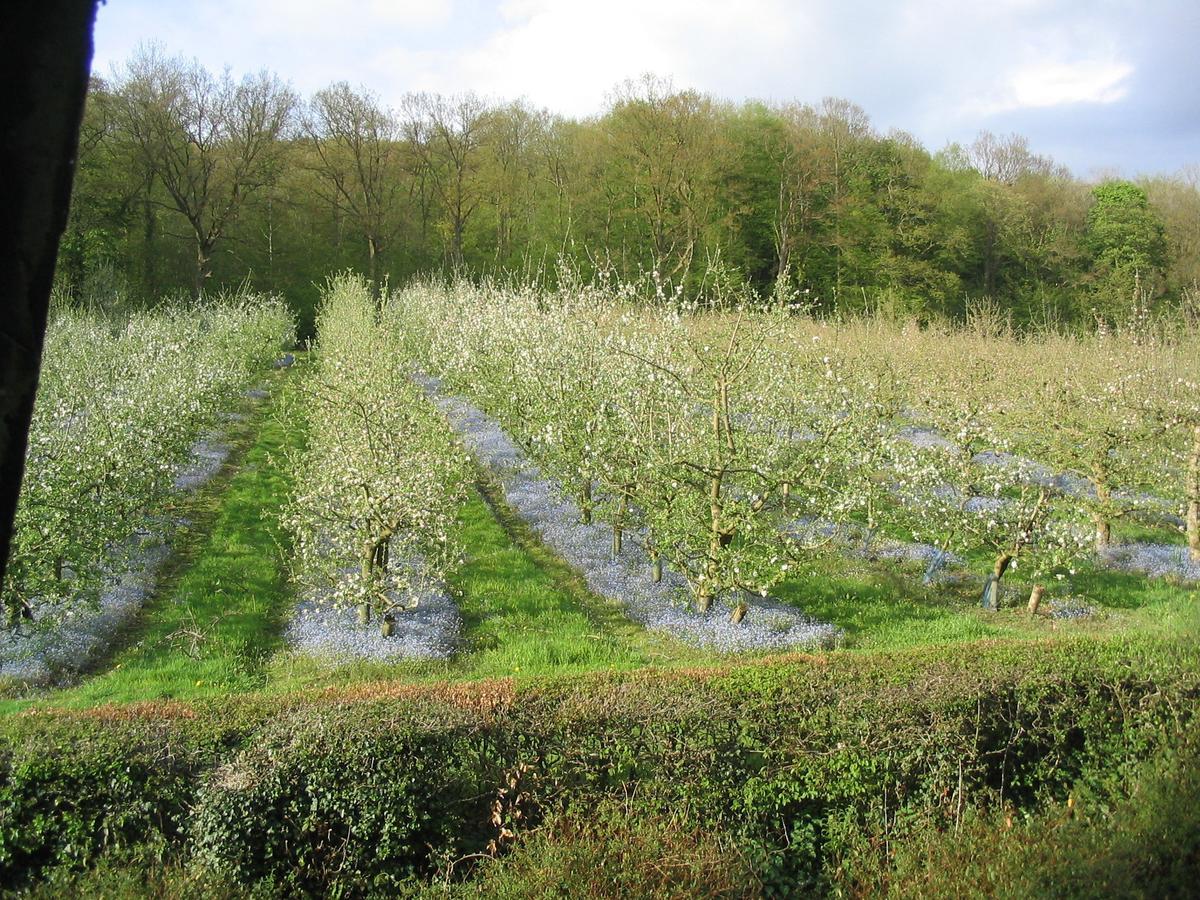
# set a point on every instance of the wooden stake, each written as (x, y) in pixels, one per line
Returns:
(1035, 599)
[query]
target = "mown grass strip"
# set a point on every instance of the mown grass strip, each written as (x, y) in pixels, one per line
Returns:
(529, 612)
(526, 613)
(883, 605)
(215, 613)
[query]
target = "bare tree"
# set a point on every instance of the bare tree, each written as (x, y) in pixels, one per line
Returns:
(512, 171)
(358, 147)
(448, 135)
(210, 142)
(1008, 159)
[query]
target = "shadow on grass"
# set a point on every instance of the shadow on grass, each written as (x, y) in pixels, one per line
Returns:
(880, 605)
(526, 610)
(214, 616)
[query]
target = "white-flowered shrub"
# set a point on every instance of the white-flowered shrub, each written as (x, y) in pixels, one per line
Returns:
(381, 480)
(121, 401)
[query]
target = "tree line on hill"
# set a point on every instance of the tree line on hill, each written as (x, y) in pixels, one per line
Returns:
(189, 180)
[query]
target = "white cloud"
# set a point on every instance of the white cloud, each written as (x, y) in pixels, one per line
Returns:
(569, 55)
(1056, 84)
(1049, 84)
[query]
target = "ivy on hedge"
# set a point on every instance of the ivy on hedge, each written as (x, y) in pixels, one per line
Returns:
(351, 793)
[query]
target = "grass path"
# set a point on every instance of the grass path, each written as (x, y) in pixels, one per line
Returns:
(212, 626)
(526, 613)
(550, 621)
(213, 618)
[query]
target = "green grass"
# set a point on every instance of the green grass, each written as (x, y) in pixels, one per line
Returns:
(212, 627)
(1149, 531)
(213, 618)
(525, 614)
(528, 611)
(882, 605)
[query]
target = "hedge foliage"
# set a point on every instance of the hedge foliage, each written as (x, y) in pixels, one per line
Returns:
(359, 791)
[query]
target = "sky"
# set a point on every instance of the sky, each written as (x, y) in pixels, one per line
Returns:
(1106, 88)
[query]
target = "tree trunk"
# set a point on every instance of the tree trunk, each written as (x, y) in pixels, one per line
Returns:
(366, 567)
(373, 268)
(585, 502)
(1103, 532)
(739, 612)
(991, 587)
(703, 598)
(716, 541)
(150, 254)
(619, 523)
(204, 251)
(656, 568)
(1100, 516)
(1193, 491)
(456, 249)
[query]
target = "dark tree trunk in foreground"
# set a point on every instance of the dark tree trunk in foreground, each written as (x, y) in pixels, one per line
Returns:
(45, 58)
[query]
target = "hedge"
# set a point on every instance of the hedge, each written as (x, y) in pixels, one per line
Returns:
(361, 791)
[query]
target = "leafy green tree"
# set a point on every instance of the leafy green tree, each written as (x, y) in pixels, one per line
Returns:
(1128, 248)
(1176, 200)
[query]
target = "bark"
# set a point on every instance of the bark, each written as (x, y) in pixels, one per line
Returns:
(1103, 532)
(619, 524)
(45, 57)
(991, 587)
(739, 613)
(715, 543)
(703, 598)
(368, 560)
(373, 268)
(656, 569)
(150, 253)
(204, 251)
(1100, 516)
(585, 501)
(1193, 490)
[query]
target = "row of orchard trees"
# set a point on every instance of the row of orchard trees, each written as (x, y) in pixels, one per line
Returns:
(120, 403)
(381, 478)
(738, 440)
(187, 178)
